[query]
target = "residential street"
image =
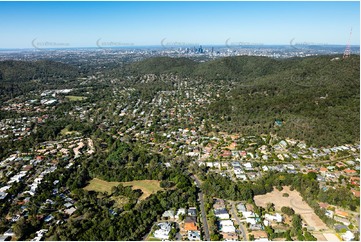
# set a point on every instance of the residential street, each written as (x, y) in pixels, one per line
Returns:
(234, 214)
(203, 211)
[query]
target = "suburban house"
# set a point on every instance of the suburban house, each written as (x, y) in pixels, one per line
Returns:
(180, 212)
(229, 236)
(355, 180)
(249, 207)
(241, 208)
(70, 211)
(323, 171)
(243, 177)
(251, 221)
(257, 226)
(192, 211)
(248, 214)
(342, 220)
(226, 226)
(248, 166)
(163, 231)
(329, 213)
(226, 153)
(194, 236)
(190, 224)
(238, 171)
(342, 214)
(277, 217)
(218, 203)
(9, 232)
(324, 205)
(221, 213)
(260, 234)
(3, 195)
(348, 236)
(350, 172)
(168, 214)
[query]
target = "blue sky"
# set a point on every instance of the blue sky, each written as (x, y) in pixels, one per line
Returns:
(77, 24)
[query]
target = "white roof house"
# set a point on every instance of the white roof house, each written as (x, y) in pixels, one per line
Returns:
(248, 166)
(209, 164)
(276, 217)
(241, 208)
(251, 221)
(9, 232)
(179, 212)
(348, 236)
(238, 171)
(227, 226)
(163, 231)
(243, 177)
(248, 214)
(221, 213)
(70, 211)
(329, 213)
(168, 214)
(5, 188)
(3, 195)
(194, 235)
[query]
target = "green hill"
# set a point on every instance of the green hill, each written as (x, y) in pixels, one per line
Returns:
(159, 65)
(18, 77)
(236, 67)
(19, 71)
(317, 98)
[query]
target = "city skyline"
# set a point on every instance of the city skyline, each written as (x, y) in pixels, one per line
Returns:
(128, 24)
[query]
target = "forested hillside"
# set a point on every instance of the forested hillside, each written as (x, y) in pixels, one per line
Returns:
(18, 77)
(316, 98)
(24, 71)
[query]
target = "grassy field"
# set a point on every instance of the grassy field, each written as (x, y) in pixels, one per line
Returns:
(66, 131)
(148, 187)
(120, 201)
(75, 98)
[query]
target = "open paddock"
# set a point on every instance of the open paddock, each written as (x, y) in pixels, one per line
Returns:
(148, 187)
(295, 201)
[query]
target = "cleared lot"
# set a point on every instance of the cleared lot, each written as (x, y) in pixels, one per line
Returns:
(294, 201)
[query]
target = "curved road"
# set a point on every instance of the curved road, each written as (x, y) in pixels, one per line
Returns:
(203, 211)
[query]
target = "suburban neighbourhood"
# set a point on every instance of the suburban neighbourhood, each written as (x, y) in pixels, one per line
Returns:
(236, 157)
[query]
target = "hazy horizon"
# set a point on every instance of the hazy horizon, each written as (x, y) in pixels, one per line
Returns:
(129, 24)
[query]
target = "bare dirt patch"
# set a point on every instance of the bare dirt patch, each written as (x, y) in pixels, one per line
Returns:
(294, 201)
